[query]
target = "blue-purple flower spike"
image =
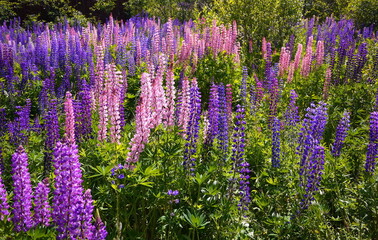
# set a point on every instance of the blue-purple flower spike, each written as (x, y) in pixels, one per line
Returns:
(372, 151)
(193, 128)
(22, 200)
(341, 133)
(276, 142)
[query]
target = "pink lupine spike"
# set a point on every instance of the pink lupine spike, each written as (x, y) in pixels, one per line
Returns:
(70, 119)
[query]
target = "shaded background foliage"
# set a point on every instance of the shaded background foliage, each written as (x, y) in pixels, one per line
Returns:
(275, 20)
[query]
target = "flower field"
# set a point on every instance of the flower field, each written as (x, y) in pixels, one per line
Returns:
(141, 129)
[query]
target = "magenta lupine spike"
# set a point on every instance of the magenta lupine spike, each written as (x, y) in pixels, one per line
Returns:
(298, 55)
(42, 208)
(69, 126)
(23, 193)
(4, 206)
(327, 83)
(184, 104)
(142, 121)
(229, 102)
(171, 96)
(319, 53)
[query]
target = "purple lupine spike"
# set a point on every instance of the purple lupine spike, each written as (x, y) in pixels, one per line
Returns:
(100, 232)
(67, 203)
(213, 115)
(291, 115)
(87, 227)
(243, 165)
(372, 151)
(314, 170)
(341, 133)
(84, 116)
(276, 142)
(192, 128)
(3, 122)
(20, 125)
(42, 208)
(312, 154)
(22, 199)
(4, 206)
(223, 122)
(239, 163)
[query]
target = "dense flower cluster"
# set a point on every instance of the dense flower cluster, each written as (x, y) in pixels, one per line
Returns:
(310, 151)
(42, 209)
(192, 128)
(23, 193)
(213, 116)
(276, 142)
(4, 206)
(341, 133)
(372, 151)
(223, 122)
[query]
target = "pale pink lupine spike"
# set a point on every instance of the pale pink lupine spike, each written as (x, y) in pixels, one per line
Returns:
(291, 73)
(142, 120)
(319, 53)
(171, 96)
(69, 126)
(327, 83)
(264, 48)
(158, 95)
(298, 55)
(184, 105)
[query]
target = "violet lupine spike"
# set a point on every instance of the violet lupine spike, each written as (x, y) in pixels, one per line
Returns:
(310, 151)
(42, 208)
(238, 159)
(68, 203)
(314, 170)
(229, 102)
(291, 115)
(85, 114)
(213, 115)
(3, 122)
(276, 142)
(341, 133)
(87, 227)
(69, 125)
(223, 122)
(100, 232)
(22, 190)
(20, 125)
(4, 206)
(192, 128)
(372, 151)
(243, 87)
